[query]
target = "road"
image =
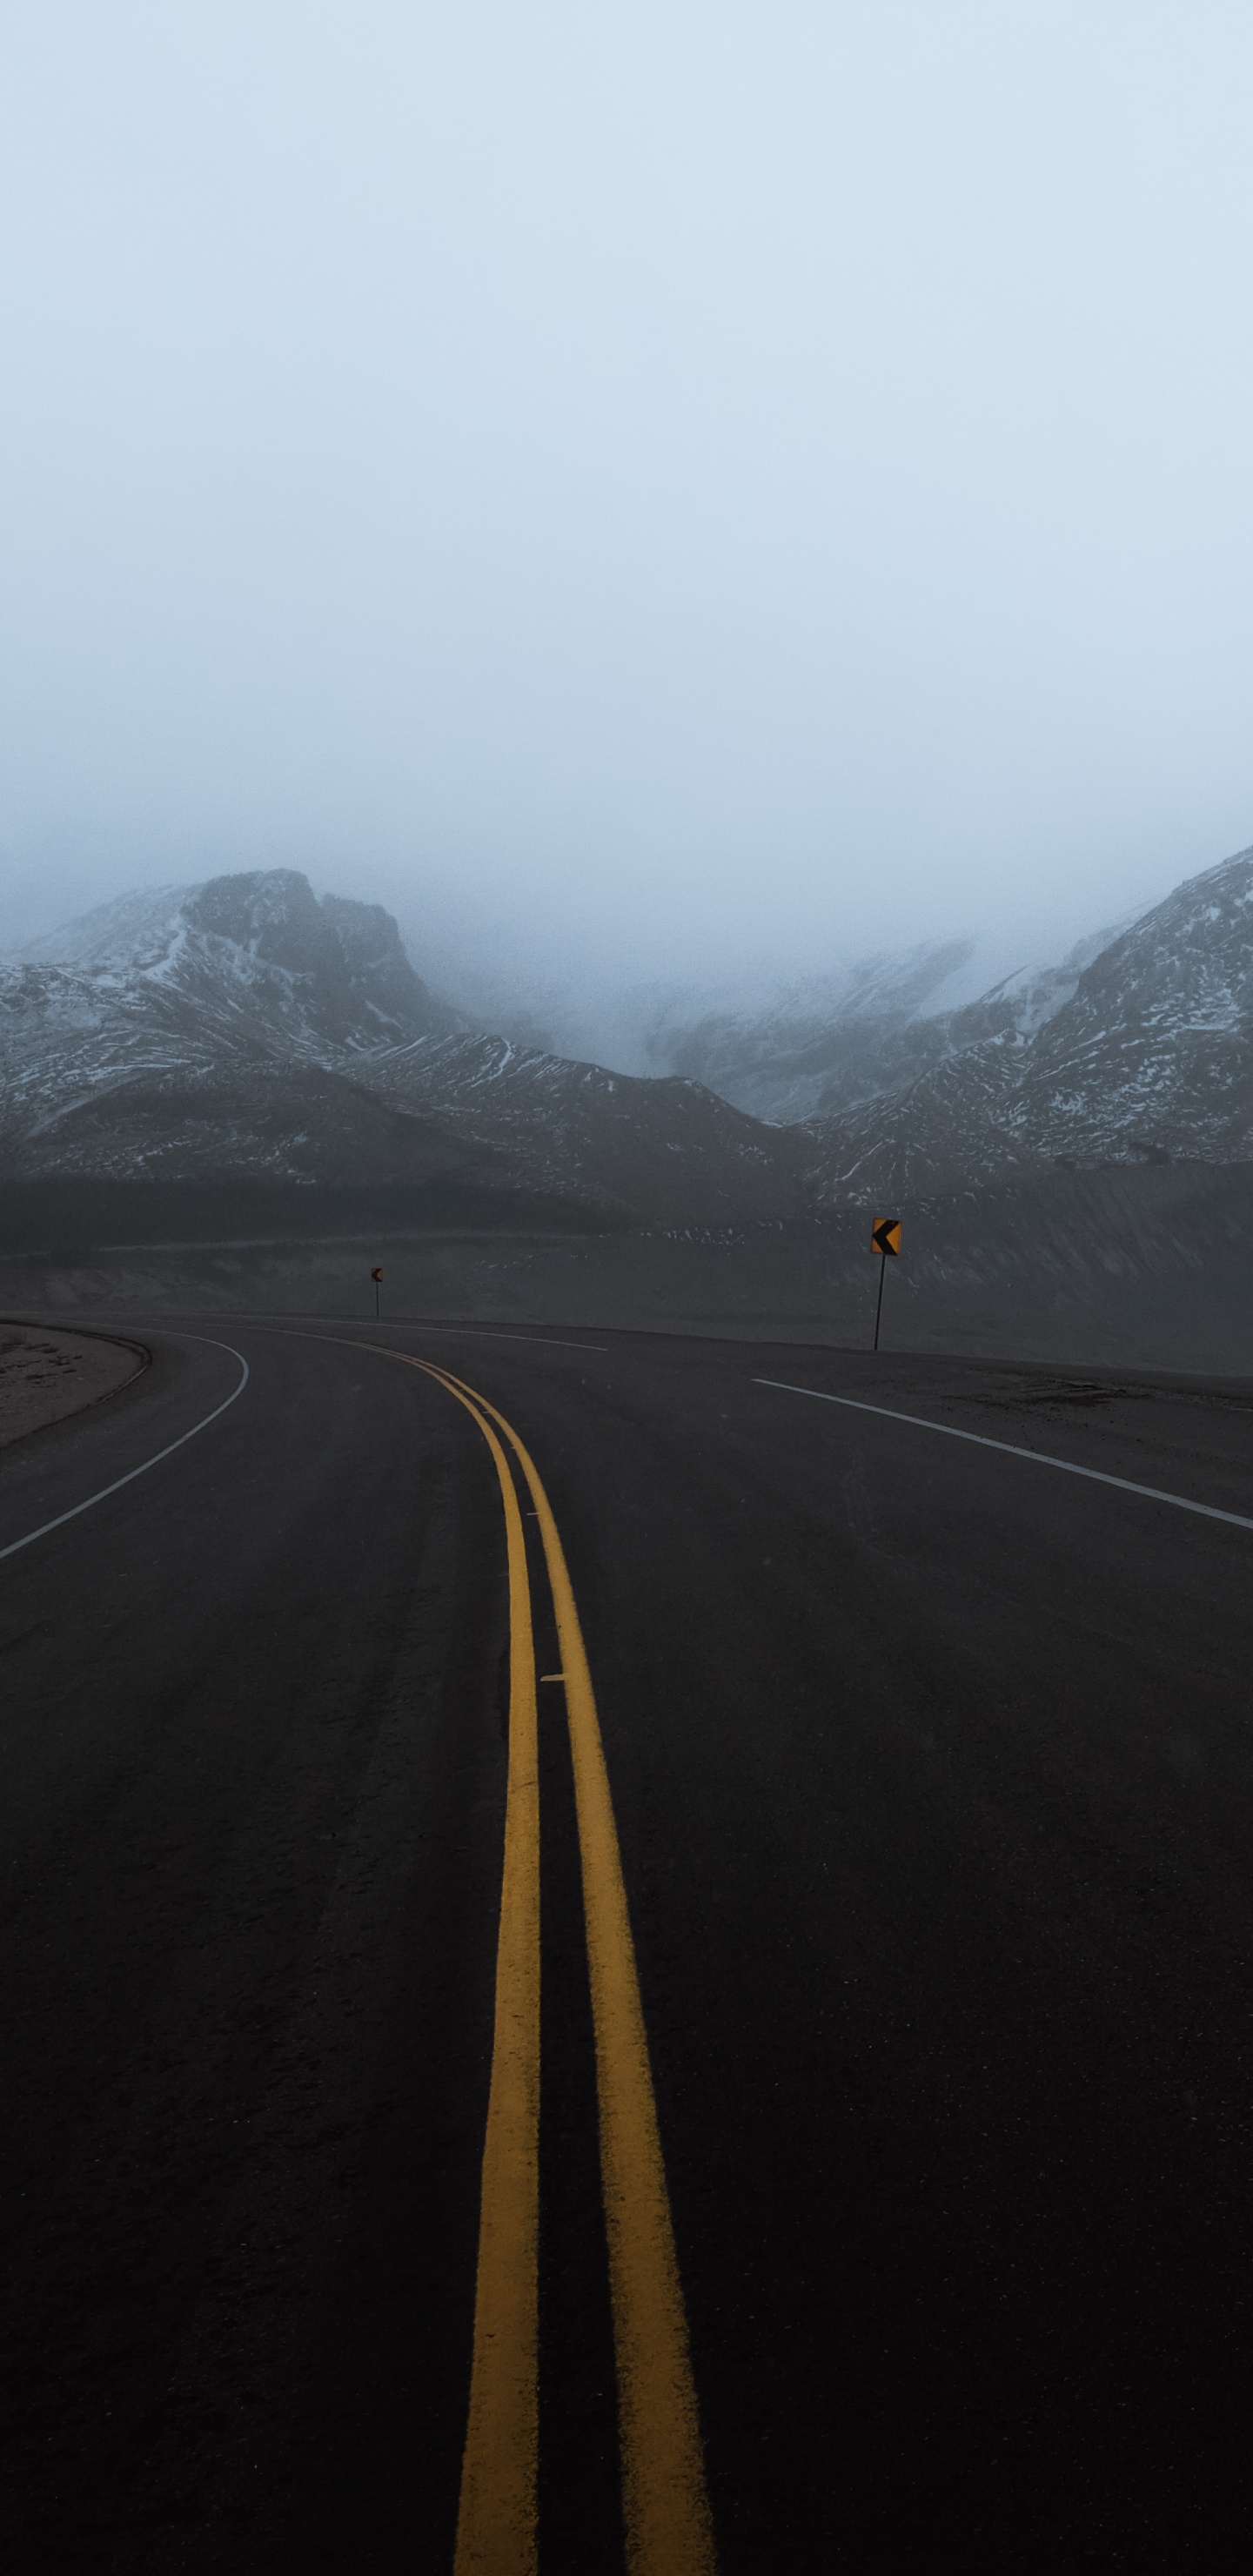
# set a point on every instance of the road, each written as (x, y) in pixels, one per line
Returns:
(931, 1768)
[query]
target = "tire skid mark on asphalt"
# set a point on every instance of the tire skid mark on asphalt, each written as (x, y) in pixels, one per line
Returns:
(1013, 1449)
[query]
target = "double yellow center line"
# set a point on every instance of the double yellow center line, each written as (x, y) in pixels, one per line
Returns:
(665, 2507)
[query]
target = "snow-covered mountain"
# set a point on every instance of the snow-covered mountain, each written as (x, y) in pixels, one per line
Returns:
(1147, 1056)
(209, 1027)
(243, 1027)
(817, 1042)
(618, 1141)
(821, 1047)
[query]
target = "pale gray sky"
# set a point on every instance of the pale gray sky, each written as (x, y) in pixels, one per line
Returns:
(641, 488)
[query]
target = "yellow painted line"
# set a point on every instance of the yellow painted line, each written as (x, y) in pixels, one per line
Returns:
(665, 2505)
(496, 2520)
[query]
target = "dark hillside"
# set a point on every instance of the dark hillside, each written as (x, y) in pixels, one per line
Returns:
(651, 1151)
(1140, 1268)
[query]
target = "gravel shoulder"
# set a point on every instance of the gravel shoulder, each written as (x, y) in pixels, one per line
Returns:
(46, 1373)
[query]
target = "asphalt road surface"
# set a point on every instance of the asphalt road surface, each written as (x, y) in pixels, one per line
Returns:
(931, 1767)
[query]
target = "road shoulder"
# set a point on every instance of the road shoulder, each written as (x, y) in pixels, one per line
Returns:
(47, 1374)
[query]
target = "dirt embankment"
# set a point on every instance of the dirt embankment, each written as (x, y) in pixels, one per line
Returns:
(46, 1373)
(1124, 1266)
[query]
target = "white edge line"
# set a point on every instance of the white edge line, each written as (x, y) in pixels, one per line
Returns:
(1038, 1457)
(155, 1461)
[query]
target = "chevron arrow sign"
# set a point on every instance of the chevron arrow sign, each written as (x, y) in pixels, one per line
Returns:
(885, 1234)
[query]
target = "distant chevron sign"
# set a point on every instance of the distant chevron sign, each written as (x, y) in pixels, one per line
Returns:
(885, 1234)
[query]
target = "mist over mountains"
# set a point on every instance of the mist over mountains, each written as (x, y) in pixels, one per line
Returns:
(244, 1029)
(1141, 1052)
(821, 1046)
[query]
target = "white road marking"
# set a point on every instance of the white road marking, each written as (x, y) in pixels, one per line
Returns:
(484, 1333)
(412, 1324)
(459, 1332)
(1038, 1457)
(154, 1461)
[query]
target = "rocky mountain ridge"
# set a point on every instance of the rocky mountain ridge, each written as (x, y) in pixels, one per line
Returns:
(831, 1043)
(243, 1028)
(1149, 1058)
(617, 1140)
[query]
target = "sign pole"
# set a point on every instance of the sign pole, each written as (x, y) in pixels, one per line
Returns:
(885, 1238)
(376, 1276)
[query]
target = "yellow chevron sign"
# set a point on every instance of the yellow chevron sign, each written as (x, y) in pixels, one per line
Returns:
(885, 1234)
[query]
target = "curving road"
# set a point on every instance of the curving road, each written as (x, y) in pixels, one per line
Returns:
(930, 1768)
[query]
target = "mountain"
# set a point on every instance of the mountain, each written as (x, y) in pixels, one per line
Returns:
(817, 1043)
(248, 960)
(618, 1141)
(1148, 1058)
(207, 1028)
(241, 1027)
(821, 1047)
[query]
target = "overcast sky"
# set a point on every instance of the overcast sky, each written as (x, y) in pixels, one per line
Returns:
(639, 488)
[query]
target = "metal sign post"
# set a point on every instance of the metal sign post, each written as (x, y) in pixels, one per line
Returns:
(376, 1276)
(885, 1239)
